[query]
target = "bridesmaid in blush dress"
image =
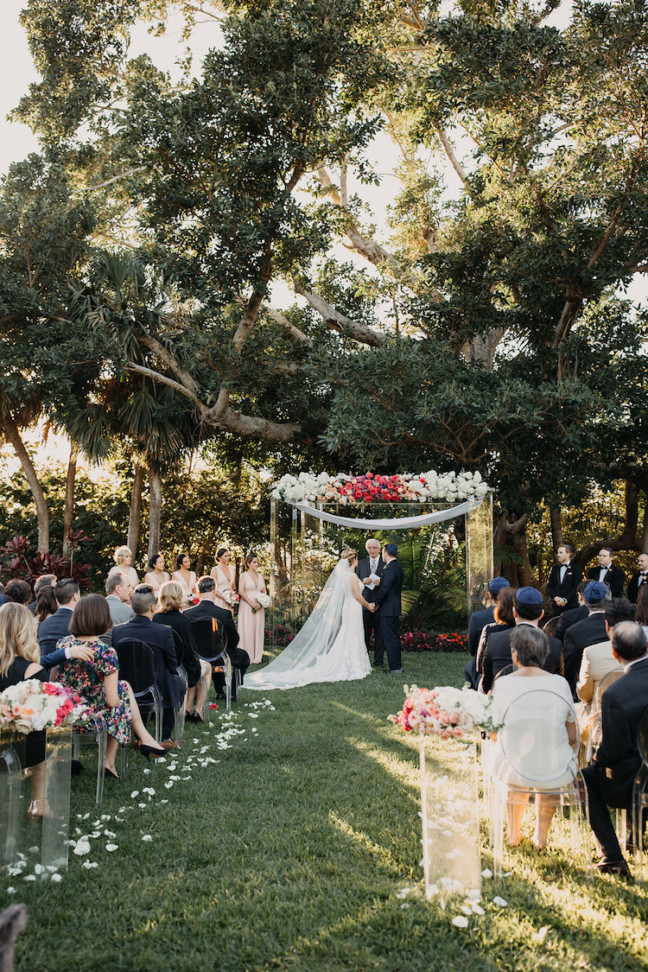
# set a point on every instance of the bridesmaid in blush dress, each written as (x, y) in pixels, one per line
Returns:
(251, 617)
(224, 575)
(184, 575)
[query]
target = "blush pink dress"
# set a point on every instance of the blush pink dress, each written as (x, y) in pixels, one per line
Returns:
(251, 626)
(223, 583)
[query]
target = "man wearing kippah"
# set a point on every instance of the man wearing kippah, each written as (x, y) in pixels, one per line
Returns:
(388, 599)
(478, 622)
(528, 609)
(587, 632)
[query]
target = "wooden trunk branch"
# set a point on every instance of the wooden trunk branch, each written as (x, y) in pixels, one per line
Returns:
(29, 471)
(135, 515)
(294, 332)
(452, 158)
(339, 322)
(368, 248)
(155, 511)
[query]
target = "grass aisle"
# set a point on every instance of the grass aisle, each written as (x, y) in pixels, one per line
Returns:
(289, 851)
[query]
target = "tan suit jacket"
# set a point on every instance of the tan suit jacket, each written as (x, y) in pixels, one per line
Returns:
(597, 662)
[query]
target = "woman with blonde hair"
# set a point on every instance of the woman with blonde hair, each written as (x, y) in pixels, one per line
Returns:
(170, 602)
(330, 647)
(123, 558)
(19, 661)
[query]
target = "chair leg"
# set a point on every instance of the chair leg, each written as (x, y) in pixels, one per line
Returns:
(102, 741)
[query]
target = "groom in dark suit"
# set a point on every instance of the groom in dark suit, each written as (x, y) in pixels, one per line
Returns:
(369, 567)
(388, 599)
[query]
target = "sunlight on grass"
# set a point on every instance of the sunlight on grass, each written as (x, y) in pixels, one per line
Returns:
(365, 842)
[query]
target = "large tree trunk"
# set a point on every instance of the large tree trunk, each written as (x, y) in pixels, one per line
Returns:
(13, 435)
(68, 508)
(155, 512)
(135, 517)
(557, 538)
(510, 531)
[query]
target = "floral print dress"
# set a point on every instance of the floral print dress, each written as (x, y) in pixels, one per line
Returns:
(86, 678)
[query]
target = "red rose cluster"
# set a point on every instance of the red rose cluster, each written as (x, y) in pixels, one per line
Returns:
(368, 488)
(420, 641)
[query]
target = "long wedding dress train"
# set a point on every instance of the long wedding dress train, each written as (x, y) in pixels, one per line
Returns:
(330, 647)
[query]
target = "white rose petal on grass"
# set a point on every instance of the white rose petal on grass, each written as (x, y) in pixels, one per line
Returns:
(540, 935)
(149, 790)
(142, 806)
(11, 890)
(29, 877)
(486, 873)
(500, 902)
(56, 878)
(112, 847)
(467, 910)
(134, 794)
(89, 864)
(168, 785)
(146, 772)
(82, 847)
(477, 909)
(163, 801)
(460, 921)
(147, 837)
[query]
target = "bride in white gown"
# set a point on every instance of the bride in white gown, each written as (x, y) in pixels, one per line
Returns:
(331, 645)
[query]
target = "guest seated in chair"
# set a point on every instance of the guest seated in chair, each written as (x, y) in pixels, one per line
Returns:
(52, 629)
(611, 777)
(503, 620)
(478, 622)
(552, 719)
(98, 681)
(159, 638)
(19, 661)
(170, 602)
(208, 609)
(598, 661)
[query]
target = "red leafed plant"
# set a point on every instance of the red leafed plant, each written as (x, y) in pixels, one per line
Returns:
(16, 561)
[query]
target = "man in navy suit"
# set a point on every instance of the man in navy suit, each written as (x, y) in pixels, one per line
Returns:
(611, 777)
(208, 609)
(476, 625)
(607, 572)
(564, 580)
(160, 639)
(388, 599)
(57, 626)
(370, 570)
(590, 631)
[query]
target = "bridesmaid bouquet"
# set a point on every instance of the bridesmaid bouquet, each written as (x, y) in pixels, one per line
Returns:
(231, 597)
(32, 705)
(263, 599)
(445, 711)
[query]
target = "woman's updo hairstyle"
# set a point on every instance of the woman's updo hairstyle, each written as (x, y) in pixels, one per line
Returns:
(250, 557)
(179, 559)
(349, 554)
(220, 552)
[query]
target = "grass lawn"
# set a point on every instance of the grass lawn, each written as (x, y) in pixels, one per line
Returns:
(288, 852)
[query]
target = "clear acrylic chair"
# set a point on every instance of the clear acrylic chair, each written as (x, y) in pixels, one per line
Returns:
(138, 667)
(530, 761)
(93, 732)
(10, 783)
(211, 642)
(594, 739)
(640, 797)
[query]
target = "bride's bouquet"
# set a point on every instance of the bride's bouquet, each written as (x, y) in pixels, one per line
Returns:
(263, 599)
(445, 711)
(33, 705)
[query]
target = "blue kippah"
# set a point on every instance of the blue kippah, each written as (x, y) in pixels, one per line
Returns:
(595, 592)
(391, 549)
(497, 584)
(528, 595)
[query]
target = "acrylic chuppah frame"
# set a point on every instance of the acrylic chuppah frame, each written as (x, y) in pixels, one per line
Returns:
(300, 569)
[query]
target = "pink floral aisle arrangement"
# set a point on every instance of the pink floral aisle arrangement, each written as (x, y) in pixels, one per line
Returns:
(371, 487)
(447, 712)
(32, 705)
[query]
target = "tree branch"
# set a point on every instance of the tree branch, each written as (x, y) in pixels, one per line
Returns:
(449, 151)
(109, 182)
(339, 322)
(368, 248)
(294, 332)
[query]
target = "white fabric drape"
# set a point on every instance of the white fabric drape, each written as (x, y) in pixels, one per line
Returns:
(400, 523)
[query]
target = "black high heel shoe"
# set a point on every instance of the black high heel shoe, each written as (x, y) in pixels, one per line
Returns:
(148, 751)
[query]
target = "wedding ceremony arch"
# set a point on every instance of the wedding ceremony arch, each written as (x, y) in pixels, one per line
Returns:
(314, 516)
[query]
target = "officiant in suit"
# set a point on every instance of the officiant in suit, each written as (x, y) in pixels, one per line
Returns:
(370, 570)
(607, 572)
(564, 579)
(388, 599)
